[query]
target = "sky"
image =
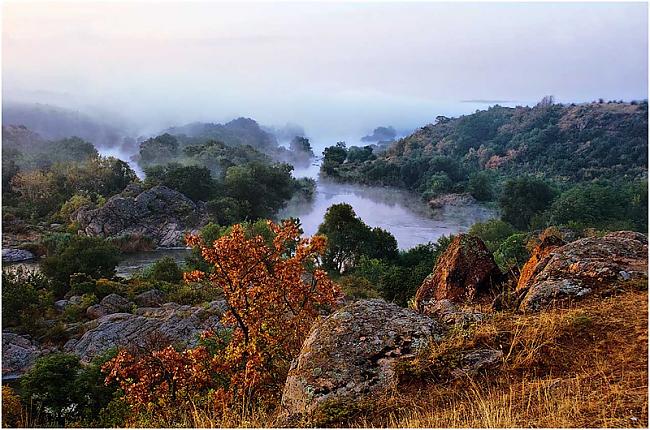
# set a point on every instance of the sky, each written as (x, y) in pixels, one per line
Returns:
(337, 69)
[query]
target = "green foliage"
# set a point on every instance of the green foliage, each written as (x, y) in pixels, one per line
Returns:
(437, 184)
(480, 186)
(602, 206)
(357, 287)
(51, 385)
(512, 253)
(228, 210)
(73, 204)
(346, 236)
(77, 312)
(522, 198)
(26, 297)
(165, 270)
(90, 255)
(301, 144)
(492, 232)
(158, 150)
(193, 181)
(359, 155)
(333, 157)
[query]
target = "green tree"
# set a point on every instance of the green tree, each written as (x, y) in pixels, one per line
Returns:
(346, 235)
(492, 232)
(480, 186)
(82, 254)
(522, 198)
(166, 270)
(51, 385)
(193, 181)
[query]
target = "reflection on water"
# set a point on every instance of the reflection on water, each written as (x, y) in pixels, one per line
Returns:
(403, 214)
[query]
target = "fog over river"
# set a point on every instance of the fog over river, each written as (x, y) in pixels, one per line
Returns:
(403, 214)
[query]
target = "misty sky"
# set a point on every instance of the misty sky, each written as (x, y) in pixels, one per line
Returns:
(337, 69)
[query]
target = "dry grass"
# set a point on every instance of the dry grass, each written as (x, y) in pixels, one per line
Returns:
(585, 366)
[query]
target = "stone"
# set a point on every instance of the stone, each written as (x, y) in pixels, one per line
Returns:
(111, 304)
(159, 213)
(465, 272)
(353, 352)
(13, 255)
(150, 298)
(548, 244)
(18, 355)
(474, 361)
(448, 313)
(60, 305)
(585, 266)
(175, 324)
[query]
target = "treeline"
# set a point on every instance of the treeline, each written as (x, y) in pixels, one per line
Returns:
(594, 155)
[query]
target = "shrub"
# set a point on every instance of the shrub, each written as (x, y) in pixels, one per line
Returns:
(164, 269)
(26, 297)
(492, 232)
(13, 414)
(92, 256)
(356, 287)
(522, 198)
(512, 254)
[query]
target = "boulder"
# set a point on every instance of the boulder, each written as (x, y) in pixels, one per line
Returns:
(352, 353)
(13, 255)
(585, 266)
(474, 361)
(171, 323)
(61, 305)
(18, 355)
(448, 313)
(159, 213)
(548, 244)
(466, 271)
(150, 298)
(111, 304)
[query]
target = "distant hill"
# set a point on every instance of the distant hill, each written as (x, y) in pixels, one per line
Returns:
(238, 132)
(565, 143)
(53, 123)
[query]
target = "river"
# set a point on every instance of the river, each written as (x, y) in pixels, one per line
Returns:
(403, 214)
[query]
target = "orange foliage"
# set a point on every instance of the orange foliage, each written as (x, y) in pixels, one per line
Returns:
(273, 293)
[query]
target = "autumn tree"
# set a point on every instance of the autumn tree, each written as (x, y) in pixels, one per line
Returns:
(273, 289)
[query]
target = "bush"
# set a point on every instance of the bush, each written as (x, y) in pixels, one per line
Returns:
(164, 269)
(92, 256)
(492, 232)
(512, 254)
(480, 186)
(51, 385)
(522, 198)
(356, 287)
(26, 297)
(13, 414)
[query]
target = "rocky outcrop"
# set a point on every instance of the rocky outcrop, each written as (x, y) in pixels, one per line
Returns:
(18, 355)
(585, 266)
(110, 304)
(171, 323)
(548, 244)
(150, 298)
(466, 271)
(159, 213)
(352, 353)
(448, 313)
(12, 255)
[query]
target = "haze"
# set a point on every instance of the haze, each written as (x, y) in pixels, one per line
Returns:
(336, 69)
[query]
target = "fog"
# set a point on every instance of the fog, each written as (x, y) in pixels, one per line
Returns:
(336, 70)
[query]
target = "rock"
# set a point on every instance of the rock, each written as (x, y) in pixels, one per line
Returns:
(472, 362)
(352, 353)
(542, 250)
(466, 271)
(585, 266)
(110, 304)
(464, 199)
(171, 323)
(60, 305)
(448, 313)
(18, 355)
(13, 255)
(75, 300)
(150, 298)
(159, 213)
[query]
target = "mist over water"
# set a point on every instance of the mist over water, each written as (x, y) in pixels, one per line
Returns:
(401, 213)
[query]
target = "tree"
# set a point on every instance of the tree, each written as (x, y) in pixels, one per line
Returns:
(492, 232)
(160, 149)
(347, 237)
(480, 186)
(301, 144)
(51, 386)
(273, 291)
(165, 270)
(522, 198)
(333, 157)
(82, 254)
(192, 181)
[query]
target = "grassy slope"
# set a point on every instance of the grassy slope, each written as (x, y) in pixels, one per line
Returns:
(582, 366)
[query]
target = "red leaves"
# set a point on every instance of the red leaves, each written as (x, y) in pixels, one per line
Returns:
(273, 291)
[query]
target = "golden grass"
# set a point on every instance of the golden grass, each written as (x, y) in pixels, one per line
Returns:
(585, 366)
